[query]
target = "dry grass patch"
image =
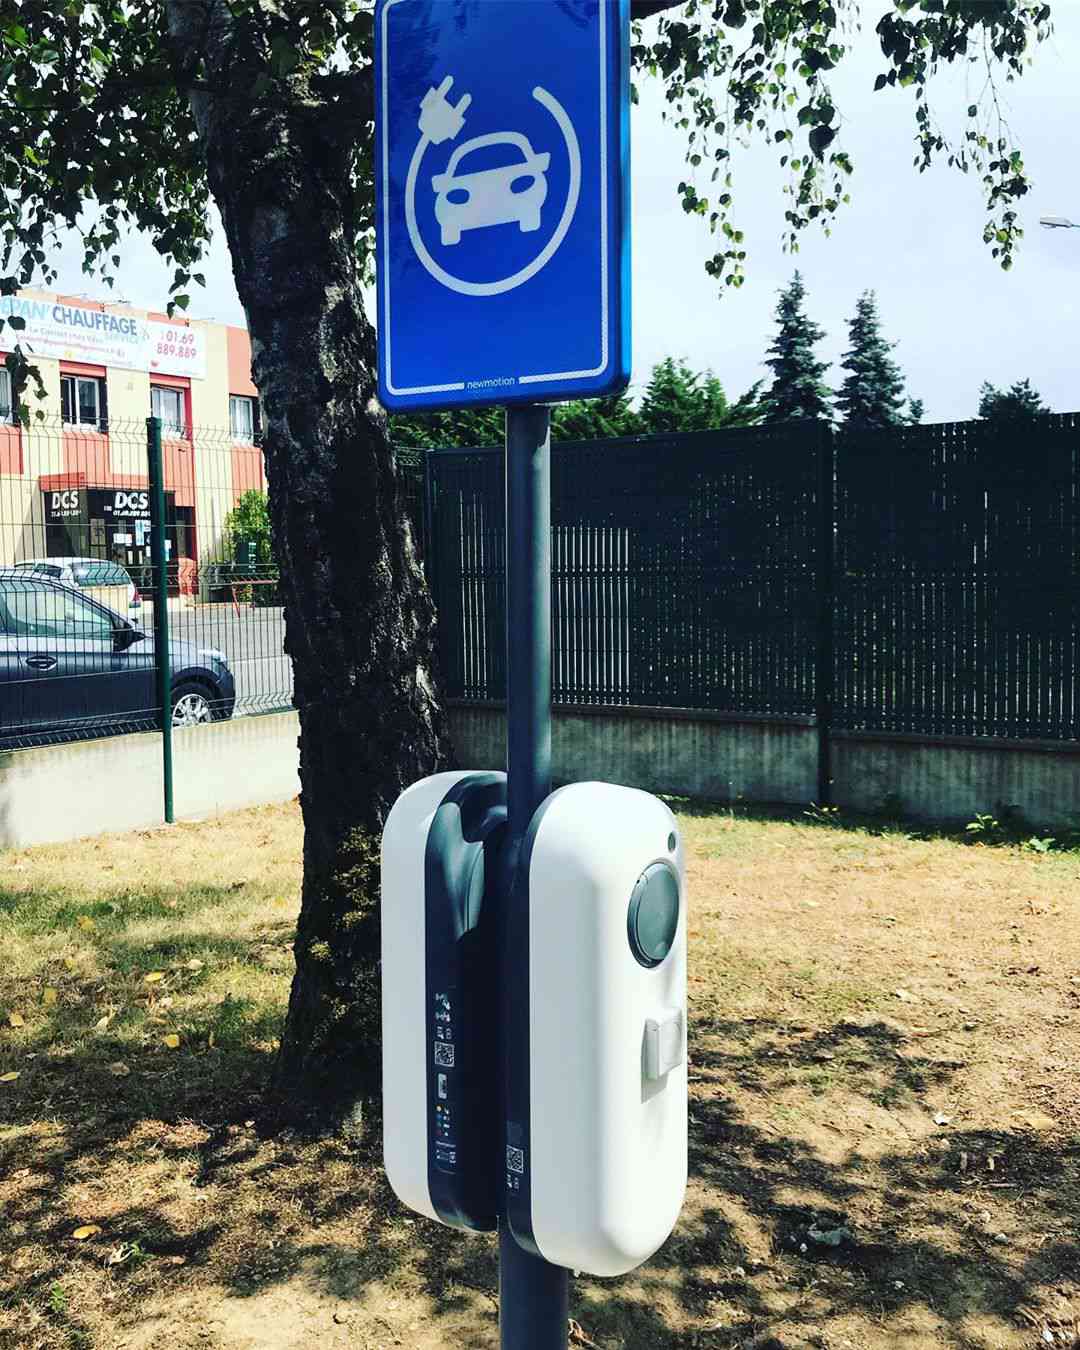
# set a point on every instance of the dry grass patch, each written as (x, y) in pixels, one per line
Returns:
(885, 1136)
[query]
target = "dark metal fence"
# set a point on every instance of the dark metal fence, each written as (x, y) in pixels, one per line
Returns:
(958, 580)
(921, 581)
(77, 593)
(925, 581)
(684, 570)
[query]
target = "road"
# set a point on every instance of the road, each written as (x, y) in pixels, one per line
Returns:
(252, 641)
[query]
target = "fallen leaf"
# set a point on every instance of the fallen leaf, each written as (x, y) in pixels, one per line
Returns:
(16, 1020)
(69, 964)
(49, 997)
(176, 1260)
(210, 1041)
(9, 1077)
(194, 965)
(172, 1041)
(154, 977)
(119, 1069)
(941, 1119)
(103, 1022)
(88, 1230)
(578, 1336)
(86, 923)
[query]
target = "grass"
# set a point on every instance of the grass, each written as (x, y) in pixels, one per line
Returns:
(883, 1042)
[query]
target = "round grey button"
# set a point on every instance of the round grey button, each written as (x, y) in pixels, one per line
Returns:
(653, 917)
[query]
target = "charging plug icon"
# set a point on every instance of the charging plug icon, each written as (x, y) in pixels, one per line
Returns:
(439, 120)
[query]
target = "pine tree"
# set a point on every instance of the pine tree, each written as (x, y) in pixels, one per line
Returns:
(1020, 403)
(872, 395)
(916, 410)
(798, 390)
(592, 419)
(466, 427)
(678, 398)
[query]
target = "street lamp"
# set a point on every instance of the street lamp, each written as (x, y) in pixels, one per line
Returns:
(1058, 223)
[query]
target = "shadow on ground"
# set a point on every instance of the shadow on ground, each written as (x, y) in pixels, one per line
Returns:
(166, 1157)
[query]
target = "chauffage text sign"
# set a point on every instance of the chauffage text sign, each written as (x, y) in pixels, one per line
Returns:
(64, 331)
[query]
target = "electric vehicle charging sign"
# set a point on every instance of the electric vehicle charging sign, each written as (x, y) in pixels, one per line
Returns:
(502, 220)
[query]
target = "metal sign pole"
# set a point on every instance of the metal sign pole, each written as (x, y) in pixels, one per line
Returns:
(533, 1295)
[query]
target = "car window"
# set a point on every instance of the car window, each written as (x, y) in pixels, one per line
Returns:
(51, 612)
(101, 574)
(40, 569)
(499, 154)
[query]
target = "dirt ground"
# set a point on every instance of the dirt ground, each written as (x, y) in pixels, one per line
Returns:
(885, 1108)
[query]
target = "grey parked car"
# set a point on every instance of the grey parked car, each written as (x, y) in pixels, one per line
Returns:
(70, 666)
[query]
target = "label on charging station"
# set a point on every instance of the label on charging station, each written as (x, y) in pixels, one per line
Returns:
(460, 867)
(517, 994)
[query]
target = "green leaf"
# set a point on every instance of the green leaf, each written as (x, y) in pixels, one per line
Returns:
(820, 139)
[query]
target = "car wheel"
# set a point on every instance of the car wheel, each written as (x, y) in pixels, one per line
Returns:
(192, 706)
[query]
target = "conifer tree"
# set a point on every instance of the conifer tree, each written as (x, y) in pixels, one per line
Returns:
(871, 397)
(798, 390)
(1020, 403)
(678, 398)
(592, 419)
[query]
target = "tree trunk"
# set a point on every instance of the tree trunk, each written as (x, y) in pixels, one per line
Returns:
(358, 616)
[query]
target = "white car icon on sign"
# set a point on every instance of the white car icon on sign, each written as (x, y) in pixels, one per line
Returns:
(500, 196)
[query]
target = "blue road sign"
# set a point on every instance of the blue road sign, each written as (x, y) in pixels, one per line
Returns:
(502, 180)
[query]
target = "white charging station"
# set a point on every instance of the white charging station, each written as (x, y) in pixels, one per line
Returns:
(592, 1059)
(597, 1110)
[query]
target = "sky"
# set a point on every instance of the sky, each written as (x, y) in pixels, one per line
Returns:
(916, 239)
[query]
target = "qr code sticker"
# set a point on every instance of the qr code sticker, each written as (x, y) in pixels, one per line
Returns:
(515, 1160)
(444, 1055)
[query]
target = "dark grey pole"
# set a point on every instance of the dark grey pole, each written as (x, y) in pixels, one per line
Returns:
(533, 1295)
(528, 613)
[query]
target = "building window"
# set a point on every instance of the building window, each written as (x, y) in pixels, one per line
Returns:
(168, 405)
(82, 400)
(244, 418)
(7, 403)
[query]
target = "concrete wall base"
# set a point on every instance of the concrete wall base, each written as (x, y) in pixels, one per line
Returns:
(939, 781)
(67, 792)
(724, 760)
(63, 792)
(659, 750)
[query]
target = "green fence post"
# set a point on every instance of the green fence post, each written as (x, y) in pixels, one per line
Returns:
(159, 557)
